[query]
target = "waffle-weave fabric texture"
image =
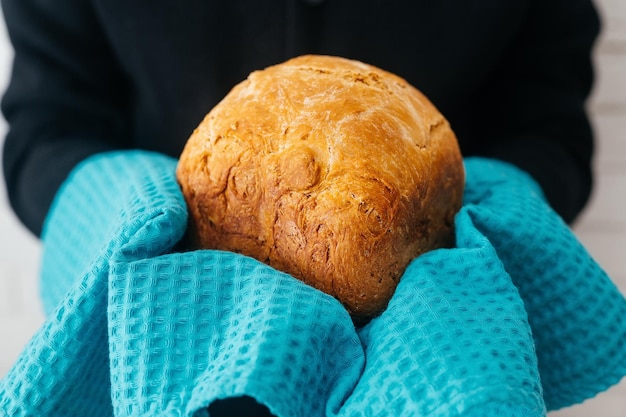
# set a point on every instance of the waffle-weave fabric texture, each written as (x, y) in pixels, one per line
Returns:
(515, 318)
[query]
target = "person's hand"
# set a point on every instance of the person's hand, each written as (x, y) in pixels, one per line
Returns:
(453, 341)
(137, 329)
(577, 315)
(516, 316)
(109, 201)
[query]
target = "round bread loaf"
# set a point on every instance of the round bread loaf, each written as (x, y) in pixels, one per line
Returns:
(329, 169)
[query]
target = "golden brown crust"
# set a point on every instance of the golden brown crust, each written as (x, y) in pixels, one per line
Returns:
(334, 171)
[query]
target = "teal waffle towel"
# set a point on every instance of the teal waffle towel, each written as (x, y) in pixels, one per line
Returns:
(514, 320)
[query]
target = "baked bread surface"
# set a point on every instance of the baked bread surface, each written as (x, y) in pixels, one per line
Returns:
(331, 170)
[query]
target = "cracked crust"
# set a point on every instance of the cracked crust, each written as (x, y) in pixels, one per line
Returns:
(332, 170)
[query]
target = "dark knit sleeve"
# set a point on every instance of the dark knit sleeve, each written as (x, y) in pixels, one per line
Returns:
(65, 100)
(533, 110)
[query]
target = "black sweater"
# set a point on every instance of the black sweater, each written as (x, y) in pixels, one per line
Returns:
(92, 75)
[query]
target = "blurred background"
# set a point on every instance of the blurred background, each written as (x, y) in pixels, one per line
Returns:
(601, 228)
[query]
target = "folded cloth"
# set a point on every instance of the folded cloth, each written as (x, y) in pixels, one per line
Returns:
(577, 315)
(134, 329)
(453, 341)
(188, 329)
(64, 370)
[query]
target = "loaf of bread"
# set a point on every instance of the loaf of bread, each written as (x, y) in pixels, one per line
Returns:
(334, 171)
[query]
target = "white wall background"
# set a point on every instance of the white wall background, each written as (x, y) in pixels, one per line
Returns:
(602, 227)
(20, 310)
